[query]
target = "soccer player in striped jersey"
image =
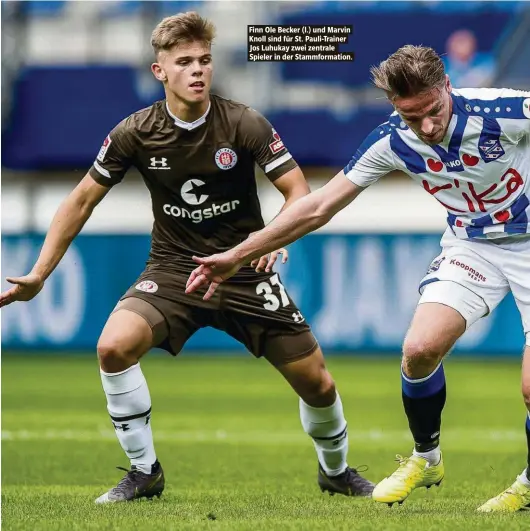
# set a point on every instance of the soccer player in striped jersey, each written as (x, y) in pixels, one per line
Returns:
(470, 150)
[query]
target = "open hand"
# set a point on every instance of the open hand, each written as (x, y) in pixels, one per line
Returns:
(213, 269)
(24, 289)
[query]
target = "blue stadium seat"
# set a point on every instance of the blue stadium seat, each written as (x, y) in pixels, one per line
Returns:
(75, 109)
(379, 6)
(116, 9)
(78, 106)
(322, 138)
(34, 8)
(394, 29)
(165, 9)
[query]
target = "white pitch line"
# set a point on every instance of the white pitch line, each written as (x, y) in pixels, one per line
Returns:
(266, 438)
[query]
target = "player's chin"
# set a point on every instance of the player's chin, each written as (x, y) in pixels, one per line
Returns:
(196, 94)
(432, 140)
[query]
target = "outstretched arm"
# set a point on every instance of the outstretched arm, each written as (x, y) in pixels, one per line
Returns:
(66, 224)
(292, 186)
(306, 215)
(302, 217)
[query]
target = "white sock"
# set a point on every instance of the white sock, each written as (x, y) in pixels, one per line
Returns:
(129, 406)
(432, 456)
(523, 479)
(327, 427)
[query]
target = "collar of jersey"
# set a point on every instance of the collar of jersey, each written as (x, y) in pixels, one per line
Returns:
(189, 125)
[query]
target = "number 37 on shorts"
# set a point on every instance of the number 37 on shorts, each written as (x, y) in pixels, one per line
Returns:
(275, 298)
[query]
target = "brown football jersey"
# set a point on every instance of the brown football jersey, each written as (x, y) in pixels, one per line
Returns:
(201, 175)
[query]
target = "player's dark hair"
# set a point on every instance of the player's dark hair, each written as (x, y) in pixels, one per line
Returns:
(410, 71)
(182, 28)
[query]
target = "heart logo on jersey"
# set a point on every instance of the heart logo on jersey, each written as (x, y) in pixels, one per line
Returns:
(435, 165)
(470, 160)
(502, 216)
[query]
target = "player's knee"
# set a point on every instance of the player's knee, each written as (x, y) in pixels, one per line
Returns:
(114, 356)
(320, 392)
(420, 356)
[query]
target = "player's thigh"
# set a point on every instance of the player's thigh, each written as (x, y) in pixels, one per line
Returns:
(460, 287)
(260, 314)
(131, 330)
(434, 329)
(178, 316)
(464, 280)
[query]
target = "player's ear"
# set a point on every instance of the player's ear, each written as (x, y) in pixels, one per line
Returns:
(158, 72)
(448, 85)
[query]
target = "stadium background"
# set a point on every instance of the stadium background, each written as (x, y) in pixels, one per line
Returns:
(226, 427)
(72, 70)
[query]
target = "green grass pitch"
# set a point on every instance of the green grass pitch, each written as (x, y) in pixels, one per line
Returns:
(228, 434)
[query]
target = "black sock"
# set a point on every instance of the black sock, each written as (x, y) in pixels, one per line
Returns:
(528, 446)
(424, 400)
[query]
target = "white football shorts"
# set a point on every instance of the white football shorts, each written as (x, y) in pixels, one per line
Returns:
(473, 277)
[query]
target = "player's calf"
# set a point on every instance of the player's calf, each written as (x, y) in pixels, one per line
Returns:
(129, 408)
(423, 399)
(423, 394)
(422, 373)
(125, 338)
(328, 429)
(322, 418)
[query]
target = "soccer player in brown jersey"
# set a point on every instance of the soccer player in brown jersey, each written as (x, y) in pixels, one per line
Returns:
(196, 153)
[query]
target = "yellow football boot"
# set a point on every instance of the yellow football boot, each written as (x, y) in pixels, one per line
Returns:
(413, 472)
(514, 498)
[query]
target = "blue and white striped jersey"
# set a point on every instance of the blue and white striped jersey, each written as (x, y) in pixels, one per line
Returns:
(480, 172)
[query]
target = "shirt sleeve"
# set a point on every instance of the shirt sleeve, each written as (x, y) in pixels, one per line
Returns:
(372, 160)
(267, 148)
(114, 157)
(514, 123)
(509, 107)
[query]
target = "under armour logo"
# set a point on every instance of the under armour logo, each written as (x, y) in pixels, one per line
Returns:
(122, 427)
(342, 436)
(298, 317)
(158, 164)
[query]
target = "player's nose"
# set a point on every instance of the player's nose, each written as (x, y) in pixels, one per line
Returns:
(427, 126)
(197, 68)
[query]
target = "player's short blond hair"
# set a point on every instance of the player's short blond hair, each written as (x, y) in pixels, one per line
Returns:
(410, 71)
(182, 28)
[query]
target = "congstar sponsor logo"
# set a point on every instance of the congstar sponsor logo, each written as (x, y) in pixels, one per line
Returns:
(193, 192)
(200, 214)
